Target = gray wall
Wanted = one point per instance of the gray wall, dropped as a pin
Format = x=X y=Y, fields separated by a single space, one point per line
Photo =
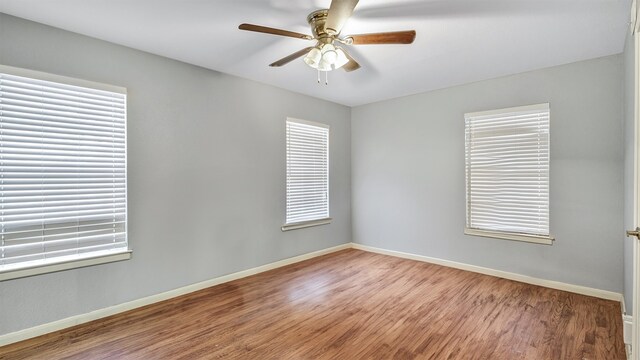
x=408 y=173
x=206 y=174
x=629 y=130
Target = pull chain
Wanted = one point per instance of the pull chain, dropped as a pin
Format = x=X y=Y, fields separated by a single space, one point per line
x=326 y=77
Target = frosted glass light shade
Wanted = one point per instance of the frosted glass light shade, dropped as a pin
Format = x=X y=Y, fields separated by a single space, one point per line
x=324 y=65
x=329 y=54
x=341 y=60
x=313 y=58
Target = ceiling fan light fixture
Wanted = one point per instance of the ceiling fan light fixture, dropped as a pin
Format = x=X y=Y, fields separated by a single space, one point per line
x=326 y=58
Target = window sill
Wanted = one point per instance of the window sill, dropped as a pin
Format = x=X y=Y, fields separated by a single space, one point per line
x=36 y=269
x=305 y=224
x=537 y=239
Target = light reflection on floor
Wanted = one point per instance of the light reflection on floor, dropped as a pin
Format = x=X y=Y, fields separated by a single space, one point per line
x=310 y=289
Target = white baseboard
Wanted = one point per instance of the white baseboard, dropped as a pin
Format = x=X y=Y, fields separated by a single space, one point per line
x=627 y=327
x=627 y=323
x=25 y=334
x=603 y=294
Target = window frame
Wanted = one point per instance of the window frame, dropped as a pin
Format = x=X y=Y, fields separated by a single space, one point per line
x=15 y=271
x=545 y=239
x=313 y=222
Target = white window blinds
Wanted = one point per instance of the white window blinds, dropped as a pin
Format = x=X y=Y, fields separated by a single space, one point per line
x=307 y=171
x=507 y=170
x=62 y=170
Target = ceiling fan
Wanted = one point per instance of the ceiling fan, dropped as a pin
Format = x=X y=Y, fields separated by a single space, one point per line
x=326 y=24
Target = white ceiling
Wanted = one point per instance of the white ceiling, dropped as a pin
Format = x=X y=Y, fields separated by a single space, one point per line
x=457 y=42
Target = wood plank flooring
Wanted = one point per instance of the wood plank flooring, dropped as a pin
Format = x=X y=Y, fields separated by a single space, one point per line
x=351 y=305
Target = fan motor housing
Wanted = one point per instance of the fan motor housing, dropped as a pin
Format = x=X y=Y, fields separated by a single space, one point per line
x=317 y=20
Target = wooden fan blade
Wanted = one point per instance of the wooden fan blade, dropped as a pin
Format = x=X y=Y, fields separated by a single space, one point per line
x=351 y=65
x=287 y=59
x=398 y=37
x=339 y=13
x=273 y=31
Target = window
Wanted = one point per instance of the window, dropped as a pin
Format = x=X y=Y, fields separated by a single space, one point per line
x=307 y=174
x=62 y=173
x=507 y=173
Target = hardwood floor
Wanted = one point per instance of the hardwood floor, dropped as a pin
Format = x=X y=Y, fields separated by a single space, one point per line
x=351 y=305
